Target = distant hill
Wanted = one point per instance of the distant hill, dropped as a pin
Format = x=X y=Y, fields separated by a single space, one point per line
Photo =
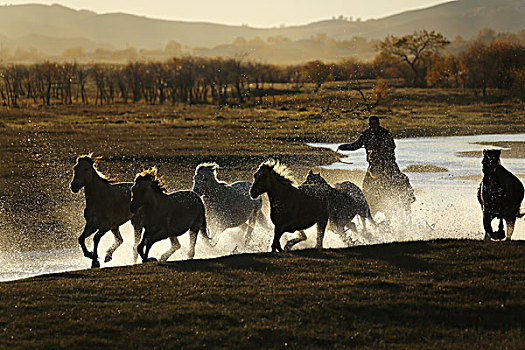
x=50 y=29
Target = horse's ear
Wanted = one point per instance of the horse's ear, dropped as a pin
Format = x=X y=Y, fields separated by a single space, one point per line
x=484 y=152
x=310 y=172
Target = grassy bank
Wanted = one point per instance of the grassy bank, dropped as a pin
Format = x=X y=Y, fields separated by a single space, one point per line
x=442 y=294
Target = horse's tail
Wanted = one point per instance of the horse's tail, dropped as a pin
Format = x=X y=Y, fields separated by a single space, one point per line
x=204 y=228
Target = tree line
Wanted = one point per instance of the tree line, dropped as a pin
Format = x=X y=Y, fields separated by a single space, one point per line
x=417 y=58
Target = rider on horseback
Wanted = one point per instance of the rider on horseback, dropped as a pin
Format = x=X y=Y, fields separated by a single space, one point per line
x=380 y=154
x=379 y=145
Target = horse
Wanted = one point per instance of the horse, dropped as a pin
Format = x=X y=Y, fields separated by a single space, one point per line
x=291 y=208
x=388 y=189
x=107 y=207
x=500 y=194
x=166 y=215
x=346 y=200
x=227 y=205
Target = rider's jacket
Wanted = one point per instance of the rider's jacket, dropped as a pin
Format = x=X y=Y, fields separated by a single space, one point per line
x=380 y=149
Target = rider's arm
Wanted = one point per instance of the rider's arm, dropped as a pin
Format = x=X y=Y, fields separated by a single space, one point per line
x=352 y=146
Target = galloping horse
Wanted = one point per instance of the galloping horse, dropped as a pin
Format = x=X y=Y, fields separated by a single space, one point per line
x=291 y=208
x=345 y=200
x=500 y=194
x=166 y=215
x=226 y=205
x=386 y=190
x=107 y=207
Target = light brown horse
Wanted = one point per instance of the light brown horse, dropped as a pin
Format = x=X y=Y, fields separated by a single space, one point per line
x=291 y=208
x=166 y=215
x=107 y=207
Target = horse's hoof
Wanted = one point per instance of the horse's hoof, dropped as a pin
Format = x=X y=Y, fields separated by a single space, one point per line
x=151 y=259
x=89 y=255
x=108 y=258
x=95 y=264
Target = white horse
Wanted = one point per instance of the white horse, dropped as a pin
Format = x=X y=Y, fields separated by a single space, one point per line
x=227 y=205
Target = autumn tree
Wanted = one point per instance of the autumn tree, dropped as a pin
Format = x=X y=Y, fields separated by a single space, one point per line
x=316 y=72
x=414 y=50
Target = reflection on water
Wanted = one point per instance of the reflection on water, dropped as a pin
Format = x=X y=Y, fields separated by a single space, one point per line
x=446 y=207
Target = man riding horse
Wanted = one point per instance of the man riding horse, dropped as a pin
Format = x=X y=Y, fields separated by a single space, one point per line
x=383 y=172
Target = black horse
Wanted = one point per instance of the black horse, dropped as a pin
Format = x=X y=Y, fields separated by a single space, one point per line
x=291 y=208
x=500 y=194
x=345 y=201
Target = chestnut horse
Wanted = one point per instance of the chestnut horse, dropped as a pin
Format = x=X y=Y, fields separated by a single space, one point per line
x=107 y=207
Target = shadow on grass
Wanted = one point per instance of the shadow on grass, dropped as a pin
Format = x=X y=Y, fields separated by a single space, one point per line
x=252 y=262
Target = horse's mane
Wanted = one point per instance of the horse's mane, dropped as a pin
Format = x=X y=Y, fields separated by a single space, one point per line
x=91 y=159
x=151 y=175
x=281 y=171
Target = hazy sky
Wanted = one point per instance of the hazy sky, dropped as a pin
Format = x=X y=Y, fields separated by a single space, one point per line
x=259 y=13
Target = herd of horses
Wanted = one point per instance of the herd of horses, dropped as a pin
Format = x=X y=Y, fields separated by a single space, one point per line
x=157 y=214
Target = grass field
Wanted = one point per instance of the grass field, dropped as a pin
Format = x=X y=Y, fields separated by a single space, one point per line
x=442 y=294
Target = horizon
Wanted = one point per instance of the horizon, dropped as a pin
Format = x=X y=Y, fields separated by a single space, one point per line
x=261 y=15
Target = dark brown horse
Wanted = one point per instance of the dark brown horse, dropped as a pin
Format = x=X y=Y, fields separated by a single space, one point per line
x=166 y=215
x=291 y=208
x=107 y=207
x=345 y=201
x=500 y=194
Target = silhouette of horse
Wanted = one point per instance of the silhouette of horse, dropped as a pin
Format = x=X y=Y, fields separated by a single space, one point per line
x=500 y=194
x=226 y=205
x=107 y=207
x=387 y=191
x=345 y=201
x=291 y=208
x=166 y=215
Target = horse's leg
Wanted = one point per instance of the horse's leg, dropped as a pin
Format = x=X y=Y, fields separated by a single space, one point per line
x=89 y=229
x=118 y=242
x=302 y=237
x=193 y=241
x=487 y=220
x=136 y=221
x=261 y=219
x=147 y=246
x=321 y=229
x=510 y=228
x=276 y=244
x=250 y=225
x=96 y=240
x=175 y=245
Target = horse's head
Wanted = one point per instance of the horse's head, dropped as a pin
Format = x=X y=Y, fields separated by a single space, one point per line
x=268 y=173
x=83 y=172
x=315 y=179
x=491 y=160
x=146 y=183
x=261 y=181
x=204 y=178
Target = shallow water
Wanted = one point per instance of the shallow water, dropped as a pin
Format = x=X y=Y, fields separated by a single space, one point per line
x=446 y=207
